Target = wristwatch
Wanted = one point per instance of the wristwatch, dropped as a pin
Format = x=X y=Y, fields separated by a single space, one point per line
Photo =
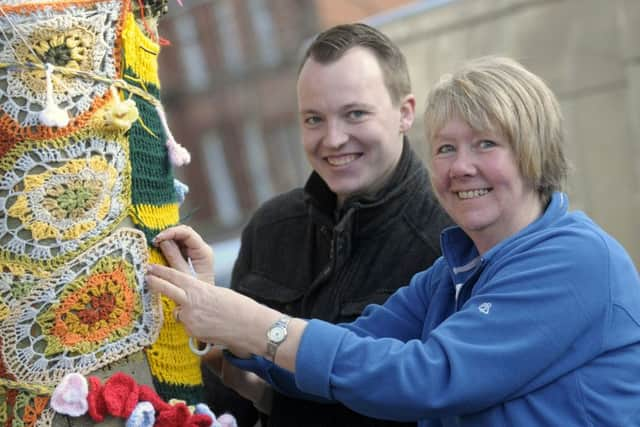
x=276 y=334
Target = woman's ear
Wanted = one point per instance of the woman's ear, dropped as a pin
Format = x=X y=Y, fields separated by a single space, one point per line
x=407 y=112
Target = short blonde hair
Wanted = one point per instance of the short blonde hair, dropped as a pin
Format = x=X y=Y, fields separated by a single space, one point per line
x=498 y=94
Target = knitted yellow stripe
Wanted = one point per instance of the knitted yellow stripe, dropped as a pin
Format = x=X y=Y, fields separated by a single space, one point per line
x=140 y=52
x=156 y=217
x=155 y=257
x=19 y=385
x=22 y=269
x=4 y=310
x=170 y=359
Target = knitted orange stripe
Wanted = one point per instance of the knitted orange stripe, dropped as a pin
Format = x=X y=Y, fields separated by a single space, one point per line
x=32 y=413
x=10 y=130
x=26 y=9
x=98 y=285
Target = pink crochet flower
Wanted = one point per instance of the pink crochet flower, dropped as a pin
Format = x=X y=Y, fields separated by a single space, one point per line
x=70 y=396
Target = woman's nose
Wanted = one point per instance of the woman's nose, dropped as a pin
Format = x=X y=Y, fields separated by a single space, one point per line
x=463 y=164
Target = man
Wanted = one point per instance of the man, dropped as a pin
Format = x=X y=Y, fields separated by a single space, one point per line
x=365 y=216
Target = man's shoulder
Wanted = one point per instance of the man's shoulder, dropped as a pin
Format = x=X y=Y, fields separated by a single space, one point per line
x=424 y=209
x=284 y=206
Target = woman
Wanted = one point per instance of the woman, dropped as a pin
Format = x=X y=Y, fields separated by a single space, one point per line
x=530 y=318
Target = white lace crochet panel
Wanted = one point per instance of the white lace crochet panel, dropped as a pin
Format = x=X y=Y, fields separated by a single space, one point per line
x=76 y=38
x=90 y=313
x=54 y=202
x=14 y=287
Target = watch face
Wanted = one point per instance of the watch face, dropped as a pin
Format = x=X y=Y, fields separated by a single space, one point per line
x=277 y=334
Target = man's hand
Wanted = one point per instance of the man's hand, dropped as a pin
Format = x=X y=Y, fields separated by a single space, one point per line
x=246 y=384
x=213 y=359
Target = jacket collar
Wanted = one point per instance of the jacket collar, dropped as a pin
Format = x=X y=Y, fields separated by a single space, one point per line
x=462 y=256
x=363 y=213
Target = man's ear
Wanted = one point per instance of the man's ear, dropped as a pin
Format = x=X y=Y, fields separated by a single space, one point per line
x=407 y=112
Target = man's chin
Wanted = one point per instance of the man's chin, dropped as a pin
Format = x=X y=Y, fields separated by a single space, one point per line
x=344 y=191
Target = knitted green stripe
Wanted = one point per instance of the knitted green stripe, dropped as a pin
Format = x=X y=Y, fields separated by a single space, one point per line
x=151 y=173
x=190 y=394
x=149 y=233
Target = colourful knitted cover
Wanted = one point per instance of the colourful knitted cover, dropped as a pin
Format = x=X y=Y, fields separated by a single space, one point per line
x=75 y=162
x=175 y=369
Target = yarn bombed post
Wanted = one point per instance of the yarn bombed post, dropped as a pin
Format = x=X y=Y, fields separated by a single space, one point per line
x=86 y=182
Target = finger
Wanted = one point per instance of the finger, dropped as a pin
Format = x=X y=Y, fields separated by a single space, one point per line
x=183 y=234
x=173 y=255
x=176 y=313
x=177 y=278
x=158 y=284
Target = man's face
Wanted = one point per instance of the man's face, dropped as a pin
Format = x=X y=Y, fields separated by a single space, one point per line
x=351 y=131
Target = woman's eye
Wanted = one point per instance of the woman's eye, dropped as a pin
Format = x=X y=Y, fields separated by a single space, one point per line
x=444 y=149
x=486 y=143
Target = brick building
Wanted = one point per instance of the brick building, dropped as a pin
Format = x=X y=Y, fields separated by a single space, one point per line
x=228 y=85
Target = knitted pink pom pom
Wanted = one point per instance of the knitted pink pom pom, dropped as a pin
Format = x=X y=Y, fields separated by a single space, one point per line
x=227 y=420
x=178 y=155
x=70 y=396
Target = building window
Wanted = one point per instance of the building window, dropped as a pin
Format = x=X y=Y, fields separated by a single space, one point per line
x=265 y=35
x=220 y=180
x=227 y=24
x=292 y=167
x=193 y=61
x=258 y=161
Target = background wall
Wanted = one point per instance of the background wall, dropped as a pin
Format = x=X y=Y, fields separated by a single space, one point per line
x=588 y=51
x=229 y=89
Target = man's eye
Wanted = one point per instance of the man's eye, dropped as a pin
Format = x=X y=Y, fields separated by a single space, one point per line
x=312 y=120
x=356 y=114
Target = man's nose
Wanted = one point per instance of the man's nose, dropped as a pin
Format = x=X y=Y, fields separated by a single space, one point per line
x=336 y=134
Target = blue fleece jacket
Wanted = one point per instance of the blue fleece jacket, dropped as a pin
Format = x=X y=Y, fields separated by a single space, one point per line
x=542 y=330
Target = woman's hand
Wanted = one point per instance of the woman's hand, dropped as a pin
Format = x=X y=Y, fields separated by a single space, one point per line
x=209 y=313
x=180 y=244
x=218 y=315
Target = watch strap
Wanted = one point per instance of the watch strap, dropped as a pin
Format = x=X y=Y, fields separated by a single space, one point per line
x=272 y=346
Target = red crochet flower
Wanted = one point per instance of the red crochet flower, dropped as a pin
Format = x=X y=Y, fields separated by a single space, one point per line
x=120 y=394
x=97 y=407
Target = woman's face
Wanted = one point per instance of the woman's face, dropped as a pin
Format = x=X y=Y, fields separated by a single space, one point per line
x=477 y=180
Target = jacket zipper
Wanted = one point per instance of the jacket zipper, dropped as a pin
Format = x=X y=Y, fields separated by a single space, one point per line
x=464 y=293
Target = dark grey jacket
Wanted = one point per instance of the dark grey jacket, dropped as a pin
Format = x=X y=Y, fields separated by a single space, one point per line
x=302 y=256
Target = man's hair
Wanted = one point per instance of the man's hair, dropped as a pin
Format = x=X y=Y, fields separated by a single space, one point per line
x=499 y=95
x=330 y=45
